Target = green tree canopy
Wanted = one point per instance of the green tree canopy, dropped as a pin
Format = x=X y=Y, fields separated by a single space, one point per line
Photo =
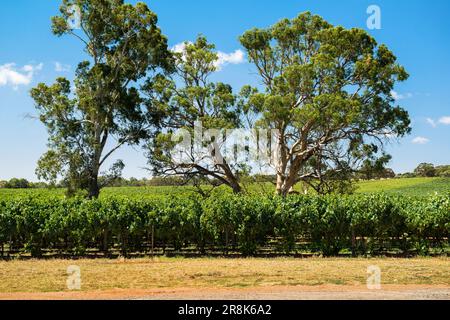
x=425 y=170
x=443 y=171
x=376 y=168
x=102 y=110
x=327 y=93
x=17 y=183
x=181 y=100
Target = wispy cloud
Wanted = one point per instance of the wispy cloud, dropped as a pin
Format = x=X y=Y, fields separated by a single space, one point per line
x=444 y=121
x=59 y=67
x=420 y=140
x=236 y=57
x=398 y=96
x=11 y=75
x=431 y=122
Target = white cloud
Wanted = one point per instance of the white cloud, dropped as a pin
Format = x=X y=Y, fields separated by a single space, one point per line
x=10 y=75
x=420 y=140
x=397 y=96
x=179 y=48
x=236 y=57
x=27 y=68
x=431 y=122
x=445 y=120
x=33 y=68
x=59 y=67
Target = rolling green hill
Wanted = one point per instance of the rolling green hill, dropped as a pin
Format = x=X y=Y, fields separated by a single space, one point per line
x=410 y=186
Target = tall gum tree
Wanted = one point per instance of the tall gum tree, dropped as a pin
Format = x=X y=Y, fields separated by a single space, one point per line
x=186 y=98
x=103 y=108
x=327 y=93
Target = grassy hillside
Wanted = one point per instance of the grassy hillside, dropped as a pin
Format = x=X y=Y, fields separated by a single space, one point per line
x=411 y=187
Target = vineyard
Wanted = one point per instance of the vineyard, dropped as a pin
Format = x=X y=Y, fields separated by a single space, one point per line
x=277 y=155
x=373 y=224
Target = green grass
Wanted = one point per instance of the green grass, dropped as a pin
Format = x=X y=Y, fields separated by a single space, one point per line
x=124 y=191
x=409 y=187
x=41 y=276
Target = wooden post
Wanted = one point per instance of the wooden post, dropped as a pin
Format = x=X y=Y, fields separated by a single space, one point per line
x=353 y=244
x=226 y=242
x=105 y=241
x=153 y=239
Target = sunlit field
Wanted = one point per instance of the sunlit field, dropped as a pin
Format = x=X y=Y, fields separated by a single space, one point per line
x=410 y=186
x=405 y=186
x=176 y=276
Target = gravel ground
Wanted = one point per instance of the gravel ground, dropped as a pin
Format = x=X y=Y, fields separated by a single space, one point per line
x=269 y=293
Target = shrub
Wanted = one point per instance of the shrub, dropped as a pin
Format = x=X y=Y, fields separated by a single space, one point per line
x=326 y=224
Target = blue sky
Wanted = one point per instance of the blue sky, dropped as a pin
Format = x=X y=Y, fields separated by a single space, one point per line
x=417 y=31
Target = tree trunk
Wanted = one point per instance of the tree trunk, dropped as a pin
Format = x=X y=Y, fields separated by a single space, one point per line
x=236 y=187
x=280 y=183
x=285 y=185
x=281 y=166
x=289 y=183
x=231 y=178
x=94 y=189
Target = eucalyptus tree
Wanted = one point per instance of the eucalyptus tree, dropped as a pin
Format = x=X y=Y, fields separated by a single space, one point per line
x=327 y=94
x=102 y=110
x=192 y=114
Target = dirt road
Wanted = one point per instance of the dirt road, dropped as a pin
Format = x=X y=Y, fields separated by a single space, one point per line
x=260 y=293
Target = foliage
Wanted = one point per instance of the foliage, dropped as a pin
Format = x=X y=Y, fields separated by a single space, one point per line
x=327 y=93
x=443 y=171
x=124 y=45
x=364 y=224
x=16 y=183
x=183 y=101
x=376 y=168
x=425 y=170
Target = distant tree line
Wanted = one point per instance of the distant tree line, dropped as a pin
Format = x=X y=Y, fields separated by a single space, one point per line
x=20 y=183
x=16 y=183
x=369 y=171
x=428 y=170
